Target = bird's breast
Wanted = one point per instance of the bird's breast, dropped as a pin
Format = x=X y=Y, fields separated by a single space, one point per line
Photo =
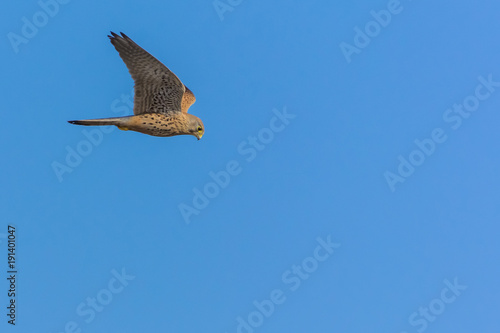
x=157 y=124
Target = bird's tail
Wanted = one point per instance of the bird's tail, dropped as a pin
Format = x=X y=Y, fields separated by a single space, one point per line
x=117 y=121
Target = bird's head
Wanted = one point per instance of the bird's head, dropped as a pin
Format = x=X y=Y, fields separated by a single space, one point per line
x=195 y=126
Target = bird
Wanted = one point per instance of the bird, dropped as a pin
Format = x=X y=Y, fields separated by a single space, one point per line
x=161 y=100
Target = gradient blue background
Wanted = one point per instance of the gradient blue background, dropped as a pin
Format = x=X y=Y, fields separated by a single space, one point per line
x=323 y=175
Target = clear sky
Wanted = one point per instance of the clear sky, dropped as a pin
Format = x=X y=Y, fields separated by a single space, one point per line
x=347 y=180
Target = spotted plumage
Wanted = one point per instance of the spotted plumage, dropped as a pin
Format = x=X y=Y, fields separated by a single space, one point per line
x=161 y=100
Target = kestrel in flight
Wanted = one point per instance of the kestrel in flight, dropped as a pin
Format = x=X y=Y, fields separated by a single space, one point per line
x=161 y=100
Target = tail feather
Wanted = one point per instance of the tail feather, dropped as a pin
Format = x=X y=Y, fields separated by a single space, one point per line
x=99 y=122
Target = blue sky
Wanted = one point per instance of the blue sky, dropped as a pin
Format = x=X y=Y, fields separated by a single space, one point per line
x=354 y=146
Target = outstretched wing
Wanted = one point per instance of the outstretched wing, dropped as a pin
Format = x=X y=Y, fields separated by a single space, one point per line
x=157 y=89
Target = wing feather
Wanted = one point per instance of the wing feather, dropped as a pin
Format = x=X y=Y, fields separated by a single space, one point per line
x=157 y=89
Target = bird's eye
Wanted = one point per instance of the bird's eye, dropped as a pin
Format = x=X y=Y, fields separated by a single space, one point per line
x=200 y=129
